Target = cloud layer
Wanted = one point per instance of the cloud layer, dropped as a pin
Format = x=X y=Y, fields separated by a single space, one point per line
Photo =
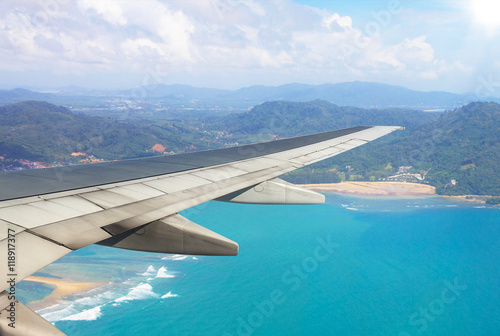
x=226 y=42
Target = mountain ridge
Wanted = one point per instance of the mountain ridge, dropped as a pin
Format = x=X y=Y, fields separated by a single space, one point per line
x=357 y=94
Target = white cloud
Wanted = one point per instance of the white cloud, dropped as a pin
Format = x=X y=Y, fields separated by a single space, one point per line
x=335 y=21
x=219 y=38
x=109 y=10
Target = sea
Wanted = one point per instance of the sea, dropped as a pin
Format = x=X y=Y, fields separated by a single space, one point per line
x=352 y=266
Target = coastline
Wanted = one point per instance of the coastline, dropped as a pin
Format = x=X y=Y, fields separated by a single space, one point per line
x=388 y=189
x=63 y=288
x=360 y=188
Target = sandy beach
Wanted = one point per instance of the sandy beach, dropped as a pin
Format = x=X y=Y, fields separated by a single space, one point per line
x=374 y=188
x=63 y=289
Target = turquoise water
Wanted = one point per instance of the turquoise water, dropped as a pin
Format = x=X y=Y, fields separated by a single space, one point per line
x=353 y=266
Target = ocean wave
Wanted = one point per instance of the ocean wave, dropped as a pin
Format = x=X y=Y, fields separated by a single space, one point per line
x=100 y=298
x=162 y=273
x=150 y=271
x=175 y=257
x=70 y=310
x=86 y=315
x=169 y=295
x=58 y=312
x=140 y=292
x=355 y=209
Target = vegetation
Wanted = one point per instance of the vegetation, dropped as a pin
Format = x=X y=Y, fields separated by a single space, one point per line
x=287 y=119
x=459 y=150
x=37 y=130
x=493 y=200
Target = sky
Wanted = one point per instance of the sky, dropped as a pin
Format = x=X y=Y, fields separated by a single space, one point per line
x=117 y=44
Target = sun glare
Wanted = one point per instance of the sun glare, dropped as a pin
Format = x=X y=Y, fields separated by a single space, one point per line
x=486 y=12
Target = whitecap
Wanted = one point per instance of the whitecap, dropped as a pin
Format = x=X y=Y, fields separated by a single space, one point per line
x=162 y=273
x=175 y=257
x=150 y=271
x=140 y=292
x=57 y=312
x=355 y=209
x=86 y=315
x=181 y=257
x=100 y=298
x=169 y=295
x=194 y=258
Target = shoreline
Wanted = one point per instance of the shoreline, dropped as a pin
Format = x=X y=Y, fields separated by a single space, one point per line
x=63 y=289
x=388 y=189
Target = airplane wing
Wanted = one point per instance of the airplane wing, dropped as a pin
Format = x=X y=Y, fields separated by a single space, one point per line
x=134 y=204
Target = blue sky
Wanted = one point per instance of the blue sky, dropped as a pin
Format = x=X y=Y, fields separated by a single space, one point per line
x=424 y=45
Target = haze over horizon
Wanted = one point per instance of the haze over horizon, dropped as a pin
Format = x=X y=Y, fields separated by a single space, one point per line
x=229 y=44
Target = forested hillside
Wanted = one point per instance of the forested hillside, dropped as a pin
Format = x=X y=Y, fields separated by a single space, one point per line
x=460 y=151
x=286 y=119
x=36 y=130
x=457 y=151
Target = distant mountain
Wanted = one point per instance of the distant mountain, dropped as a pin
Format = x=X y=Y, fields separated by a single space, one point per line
x=17 y=95
x=359 y=94
x=42 y=131
x=178 y=92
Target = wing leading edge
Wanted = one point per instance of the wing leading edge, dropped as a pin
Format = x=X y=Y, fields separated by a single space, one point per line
x=133 y=204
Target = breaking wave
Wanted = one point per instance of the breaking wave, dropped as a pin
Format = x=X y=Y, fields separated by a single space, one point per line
x=86 y=315
x=140 y=292
x=169 y=295
x=162 y=273
x=150 y=271
x=175 y=257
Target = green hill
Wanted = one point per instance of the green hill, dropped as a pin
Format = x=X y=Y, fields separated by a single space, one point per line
x=456 y=151
x=286 y=119
x=36 y=130
x=461 y=145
